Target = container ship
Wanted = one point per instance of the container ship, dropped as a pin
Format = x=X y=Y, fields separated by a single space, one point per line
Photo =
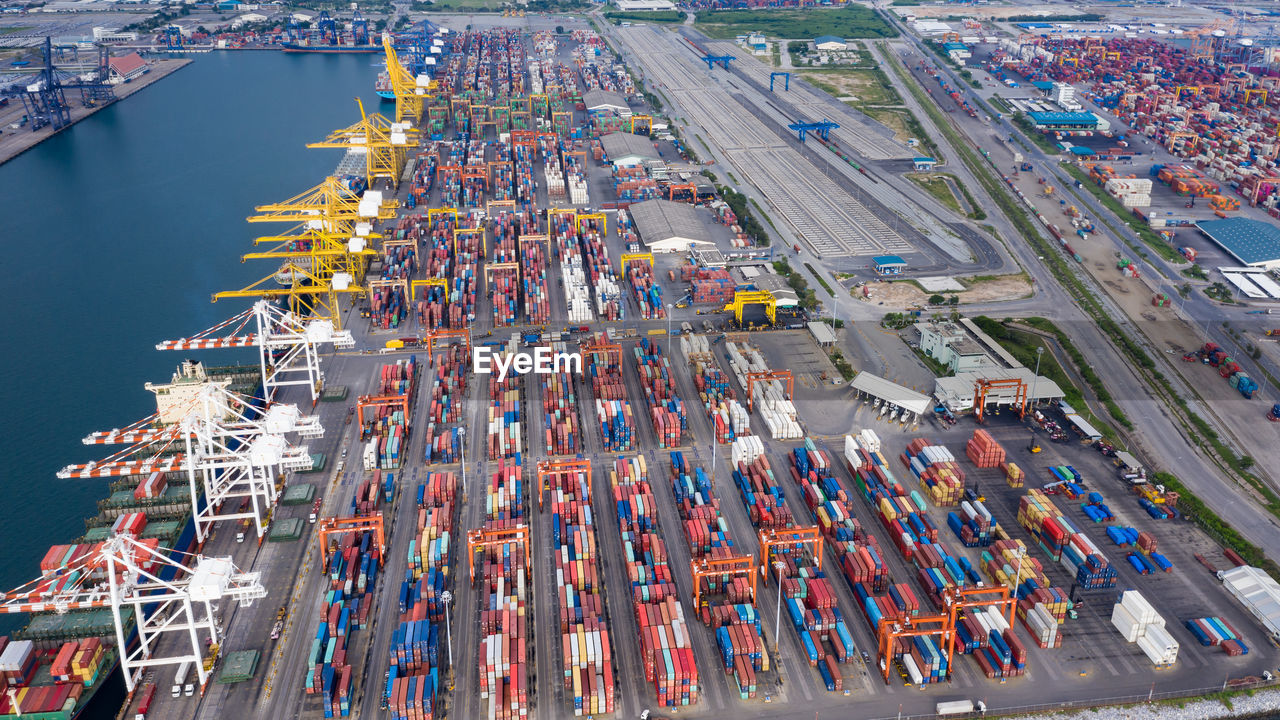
x=307 y=47
x=58 y=665
x=383 y=86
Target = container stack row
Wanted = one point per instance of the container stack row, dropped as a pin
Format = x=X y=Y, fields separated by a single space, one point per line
x=505 y=438
x=502 y=275
x=645 y=289
x=973 y=525
x=613 y=410
x=827 y=501
x=352 y=568
x=505 y=590
x=727 y=606
x=766 y=504
x=809 y=601
x=935 y=466
x=728 y=417
x=414 y=669
x=533 y=281
x=386 y=426
x=600 y=270
x=1041 y=606
x=986 y=635
x=584 y=632
x=560 y=412
x=770 y=399
x=666 y=409
x=573 y=271
x=443 y=438
x=468 y=252
x=665 y=645
x=1216 y=632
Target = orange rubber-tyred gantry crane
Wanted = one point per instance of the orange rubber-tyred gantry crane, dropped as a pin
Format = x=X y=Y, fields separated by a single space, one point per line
x=983 y=386
x=430 y=339
x=485 y=538
x=959 y=598
x=726 y=567
x=377 y=401
x=753 y=378
x=790 y=537
x=918 y=626
x=605 y=349
x=343 y=525
x=547 y=468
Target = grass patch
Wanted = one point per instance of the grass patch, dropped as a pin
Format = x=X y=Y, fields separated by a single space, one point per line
x=657 y=16
x=1195 y=272
x=937 y=187
x=935 y=367
x=1001 y=103
x=871 y=87
x=821 y=280
x=848 y=22
x=1037 y=137
x=1220 y=292
x=842 y=365
x=1148 y=236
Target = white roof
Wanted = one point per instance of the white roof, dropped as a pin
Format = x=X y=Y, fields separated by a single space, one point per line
x=822 y=332
x=903 y=397
x=1256 y=591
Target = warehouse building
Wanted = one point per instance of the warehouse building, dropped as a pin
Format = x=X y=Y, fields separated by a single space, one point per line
x=830 y=43
x=1253 y=242
x=627 y=150
x=125 y=68
x=666 y=226
x=598 y=100
x=766 y=281
x=643 y=5
x=1068 y=121
x=1260 y=595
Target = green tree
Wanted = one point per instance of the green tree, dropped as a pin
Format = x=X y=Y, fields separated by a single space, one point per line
x=936 y=299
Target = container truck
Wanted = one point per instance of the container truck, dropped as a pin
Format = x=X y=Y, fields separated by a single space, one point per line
x=954 y=707
x=180 y=679
x=144 y=706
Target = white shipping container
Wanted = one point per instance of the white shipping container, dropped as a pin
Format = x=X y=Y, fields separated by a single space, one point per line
x=1125 y=623
x=1138 y=607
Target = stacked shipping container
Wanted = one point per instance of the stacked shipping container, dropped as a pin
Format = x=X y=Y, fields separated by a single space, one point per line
x=584 y=633
x=504 y=620
x=666 y=409
x=728 y=418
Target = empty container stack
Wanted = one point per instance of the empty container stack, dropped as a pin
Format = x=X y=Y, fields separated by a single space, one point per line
x=665 y=645
x=770 y=400
x=727 y=415
x=760 y=492
x=666 y=409
x=585 y=642
x=939 y=474
x=1138 y=622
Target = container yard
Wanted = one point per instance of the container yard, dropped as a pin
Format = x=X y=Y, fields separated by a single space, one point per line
x=885 y=572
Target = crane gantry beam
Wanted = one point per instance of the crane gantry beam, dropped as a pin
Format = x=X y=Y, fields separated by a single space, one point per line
x=179 y=607
x=548 y=468
x=385 y=144
x=485 y=538
x=770 y=376
x=743 y=566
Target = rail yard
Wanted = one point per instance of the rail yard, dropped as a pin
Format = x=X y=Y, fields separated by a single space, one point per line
x=640 y=523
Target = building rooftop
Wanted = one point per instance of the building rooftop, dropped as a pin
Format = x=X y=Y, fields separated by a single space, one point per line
x=618 y=145
x=1250 y=241
x=1063 y=118
x=903 y=397
x=596 y=98
x=967 y=347
x=126 y=64
x=888 y=261
x=821 y=39
x=822 y=332
x=658 y=220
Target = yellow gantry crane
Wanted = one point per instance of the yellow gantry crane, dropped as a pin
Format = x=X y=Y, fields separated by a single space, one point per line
x=410 y=97
x=385 y=144
x=328 y=252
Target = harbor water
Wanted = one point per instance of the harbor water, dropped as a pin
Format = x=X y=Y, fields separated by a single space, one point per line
x=117 y=232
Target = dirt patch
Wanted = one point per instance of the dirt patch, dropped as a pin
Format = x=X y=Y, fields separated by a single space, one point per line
x=901 y=295
x=862 y=84
x=1116 y=286
x=894 y=119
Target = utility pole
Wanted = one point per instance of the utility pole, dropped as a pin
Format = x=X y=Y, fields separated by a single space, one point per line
x=1036 y=378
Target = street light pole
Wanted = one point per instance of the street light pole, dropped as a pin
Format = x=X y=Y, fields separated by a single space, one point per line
x=778 y=565
x=462 y=432
x=447 y=597
x=1036 y=379
x=670 y=307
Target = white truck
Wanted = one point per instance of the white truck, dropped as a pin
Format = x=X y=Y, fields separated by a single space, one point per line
x=959 y=707
x=180 y=680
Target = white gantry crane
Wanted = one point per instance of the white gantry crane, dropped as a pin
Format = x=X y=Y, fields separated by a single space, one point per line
x=204 y=429
x=287 y=345
x=127 y=575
